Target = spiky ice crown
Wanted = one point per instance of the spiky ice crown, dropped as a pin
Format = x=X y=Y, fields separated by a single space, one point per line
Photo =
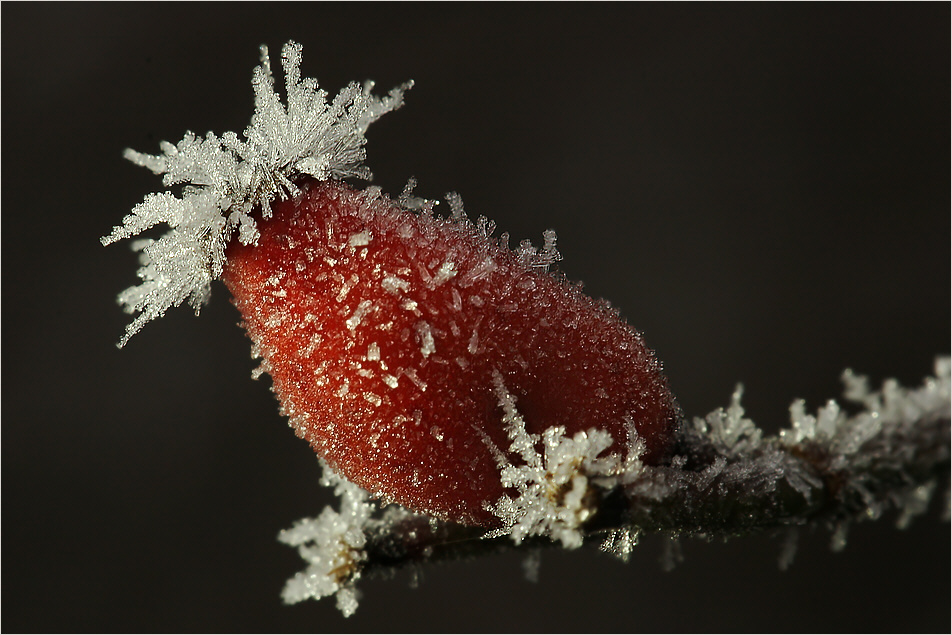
x=226 y=178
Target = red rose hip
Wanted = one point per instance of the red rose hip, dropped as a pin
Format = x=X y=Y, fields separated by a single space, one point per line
x=383 y=330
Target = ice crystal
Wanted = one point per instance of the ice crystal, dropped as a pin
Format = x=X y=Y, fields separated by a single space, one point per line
x=788 y=548
x=531 y=565
x=742 y=456
x=729 y=431
x=832 y=468
x=227 y=180
x=880 y=438
x=672 y=554
x=556 y=488
x=620 y=542
x=333 y=546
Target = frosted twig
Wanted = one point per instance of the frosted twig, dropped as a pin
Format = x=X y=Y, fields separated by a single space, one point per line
x=725 y=479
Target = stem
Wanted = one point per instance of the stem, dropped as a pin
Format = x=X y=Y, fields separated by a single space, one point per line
x=723 y=479
x=711 y=494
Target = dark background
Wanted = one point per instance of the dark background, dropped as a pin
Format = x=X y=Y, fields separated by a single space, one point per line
x=762 y=189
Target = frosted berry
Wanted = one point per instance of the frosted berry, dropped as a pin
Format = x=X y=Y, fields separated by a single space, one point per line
x=383 y=329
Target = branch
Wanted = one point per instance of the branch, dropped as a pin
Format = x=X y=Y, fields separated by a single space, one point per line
x=725 y=479
x=711 y=501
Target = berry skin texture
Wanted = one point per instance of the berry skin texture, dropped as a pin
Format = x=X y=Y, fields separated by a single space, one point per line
x=383 y=329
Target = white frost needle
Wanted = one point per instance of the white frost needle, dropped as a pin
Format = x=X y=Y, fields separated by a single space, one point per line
x=554 y=487
x=226 y=179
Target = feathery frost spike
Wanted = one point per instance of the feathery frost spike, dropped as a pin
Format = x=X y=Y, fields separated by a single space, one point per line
x=226 y=179
x=554 y=487
x=333 y=546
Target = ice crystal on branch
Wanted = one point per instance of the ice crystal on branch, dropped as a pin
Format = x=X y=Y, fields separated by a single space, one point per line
x=728 y=430
x=556 y=489
x=227 y=179
x=727 y=478
x=829 y=469
x=332 y=545
x=882 y=438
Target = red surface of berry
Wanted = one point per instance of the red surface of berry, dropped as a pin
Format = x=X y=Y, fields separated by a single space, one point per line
x=382 y=330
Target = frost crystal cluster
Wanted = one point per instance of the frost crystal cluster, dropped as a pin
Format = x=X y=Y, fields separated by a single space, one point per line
x=558 y=490
x=226 y=180
x=333 y=544
x=880 y=439
x=842 y=465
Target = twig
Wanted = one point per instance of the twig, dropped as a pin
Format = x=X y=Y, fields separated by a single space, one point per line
x=700 y=503
x=724 y=479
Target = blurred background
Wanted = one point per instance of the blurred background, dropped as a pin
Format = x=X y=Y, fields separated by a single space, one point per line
x=763 y=190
